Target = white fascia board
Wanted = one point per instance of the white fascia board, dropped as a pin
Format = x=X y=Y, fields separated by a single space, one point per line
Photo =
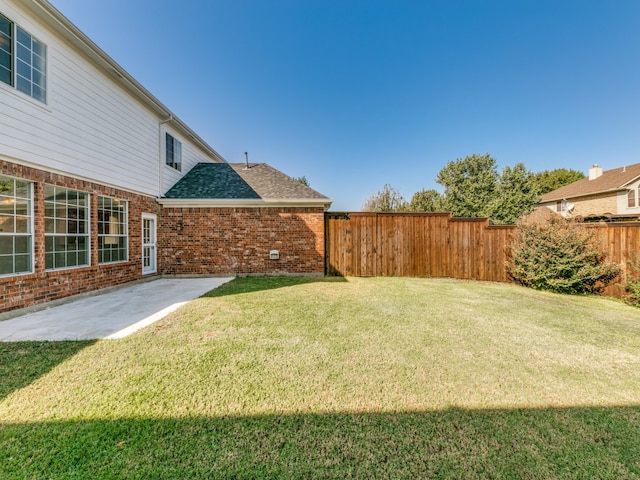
x=630 y=182
x=241 y=203
x=64 y=27
x=299 y=202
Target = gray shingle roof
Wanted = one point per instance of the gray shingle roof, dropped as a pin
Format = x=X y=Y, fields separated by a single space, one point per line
x=609 y=181
x=273 y=184
x=225 y=181
x=212 y=180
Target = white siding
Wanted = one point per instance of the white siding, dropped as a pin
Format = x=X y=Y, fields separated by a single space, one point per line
x=91 y=127
x=623 y=200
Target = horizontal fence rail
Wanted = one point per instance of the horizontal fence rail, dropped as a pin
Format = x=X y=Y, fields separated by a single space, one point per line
x=437 y=245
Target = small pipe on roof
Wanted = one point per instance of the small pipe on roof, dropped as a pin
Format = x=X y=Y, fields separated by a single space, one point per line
x=246 y=161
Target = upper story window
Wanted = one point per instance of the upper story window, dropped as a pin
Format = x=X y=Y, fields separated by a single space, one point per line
x=173 y=152
x=15 y=226
x=633 y=197
x=23 y=60
x=6 y=51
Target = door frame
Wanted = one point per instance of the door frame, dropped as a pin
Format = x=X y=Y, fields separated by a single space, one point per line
x=153 y=245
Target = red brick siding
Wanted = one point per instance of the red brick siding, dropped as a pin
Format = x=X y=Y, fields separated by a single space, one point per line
x=42 y=286
x=191 y=241
x=227 y=241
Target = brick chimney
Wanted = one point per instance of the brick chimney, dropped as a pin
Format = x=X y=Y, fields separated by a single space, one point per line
x=595 y=172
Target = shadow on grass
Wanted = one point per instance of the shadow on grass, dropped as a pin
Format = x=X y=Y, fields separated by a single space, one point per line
x=523 y=443
x=261 y=283
x=23 y=362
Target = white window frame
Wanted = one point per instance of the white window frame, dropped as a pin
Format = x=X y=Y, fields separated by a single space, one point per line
x=118 y=229
x=55 y=223
x=172 y=152
x=631 y=198
x=13 y=234
x=561 y=205
x=26 y=63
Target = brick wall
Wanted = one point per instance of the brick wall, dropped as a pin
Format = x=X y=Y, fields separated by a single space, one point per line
x=591 y=205
x=596 y=205
x=42 y=286
x=191 y=241
x=225 y=241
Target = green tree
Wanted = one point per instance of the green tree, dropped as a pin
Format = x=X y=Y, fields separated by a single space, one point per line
x=550 y=180
x=426 y=201
x=515 y=195
x=388 y=199
x=303 y=180
x=470 y=184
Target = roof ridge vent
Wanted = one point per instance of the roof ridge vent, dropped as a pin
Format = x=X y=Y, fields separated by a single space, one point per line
x=595 y=172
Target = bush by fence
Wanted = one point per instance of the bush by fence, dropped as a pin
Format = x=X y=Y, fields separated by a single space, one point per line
x=559 y=256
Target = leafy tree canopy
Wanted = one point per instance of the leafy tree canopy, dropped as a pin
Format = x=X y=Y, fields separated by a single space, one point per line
x=469 y=185
x=388 y=199
x=515 y=195
x=426 y=201
x=303 y=180
x=550 y=180
x=473 y=187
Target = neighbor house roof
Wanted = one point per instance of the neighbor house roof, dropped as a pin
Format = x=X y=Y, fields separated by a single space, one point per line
x=610 y=181
x=235 y=184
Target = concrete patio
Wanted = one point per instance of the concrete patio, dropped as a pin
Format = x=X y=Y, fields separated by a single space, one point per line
x=113 y=314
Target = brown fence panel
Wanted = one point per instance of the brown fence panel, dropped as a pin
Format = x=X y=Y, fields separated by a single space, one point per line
x=621 y=241
x=436 y=245
x=337 y=236
x=414 y=245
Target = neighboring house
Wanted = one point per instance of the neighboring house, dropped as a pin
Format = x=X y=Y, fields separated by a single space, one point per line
x=602 y=194
x=101 y=184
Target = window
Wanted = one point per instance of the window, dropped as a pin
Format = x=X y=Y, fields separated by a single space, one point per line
x=173 y=152
x=66 y=228
x=6 y=51
x=561 y=205
x=23 y=60
x=112 y=230
x=15 y=226
x=633 y=197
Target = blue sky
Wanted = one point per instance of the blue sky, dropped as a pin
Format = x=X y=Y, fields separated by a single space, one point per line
x=357 y=94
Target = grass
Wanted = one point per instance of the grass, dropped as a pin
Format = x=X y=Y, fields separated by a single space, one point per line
x=327 y=378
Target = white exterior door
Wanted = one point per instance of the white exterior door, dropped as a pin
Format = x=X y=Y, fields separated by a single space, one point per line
x=149 y=248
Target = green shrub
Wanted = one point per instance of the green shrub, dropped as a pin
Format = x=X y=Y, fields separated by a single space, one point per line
x=560 y=256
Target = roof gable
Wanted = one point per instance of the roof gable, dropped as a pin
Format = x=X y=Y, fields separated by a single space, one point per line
x=229 y=182
x=610 y=181
x=212 y=180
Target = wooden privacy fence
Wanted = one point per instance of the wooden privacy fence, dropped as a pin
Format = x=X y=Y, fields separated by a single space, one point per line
x=437 y=245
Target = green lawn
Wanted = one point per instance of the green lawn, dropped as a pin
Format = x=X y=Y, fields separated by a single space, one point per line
x=333 y=378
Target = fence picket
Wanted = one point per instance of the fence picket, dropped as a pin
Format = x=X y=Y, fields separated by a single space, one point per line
x=437 y=245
